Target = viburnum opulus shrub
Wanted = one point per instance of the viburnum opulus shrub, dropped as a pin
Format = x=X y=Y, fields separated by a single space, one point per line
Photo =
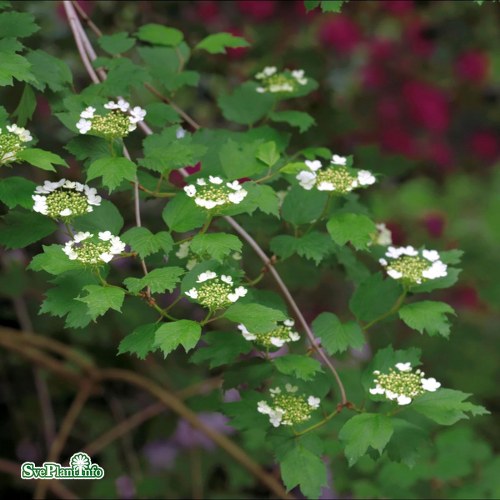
x=180 y=258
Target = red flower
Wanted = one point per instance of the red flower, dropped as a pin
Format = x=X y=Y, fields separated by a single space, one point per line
x=259 y=10
x=239 y=52
x=472 y=66
x=207 y=10
x=398 y=141
x=420 y=38
x=340 y=33
x=435 y=224
x=373 y=76
x=485 y=145
x=398 y=7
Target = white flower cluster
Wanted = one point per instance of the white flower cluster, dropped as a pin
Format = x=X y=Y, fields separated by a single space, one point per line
x=274 y=82
x=65 y=199
x=278 y=337
x=215 y=292
x=214 y=192
x=403 y=384
x=11 y=142
x=287 y=407
x=383 y=236
x=185 y=253
x=121 y=120
x=413 y=266
x=89 y=249
x=334 y=177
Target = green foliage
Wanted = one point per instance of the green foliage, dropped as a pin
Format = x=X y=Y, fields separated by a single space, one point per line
x=100 y=299
x=314 y=246
x=240 y=159
x=158 y=280
x=356 y=228
x=303 y=121
x=140 y=342
x=183 y=332
x=157 y=34
x=301 y=206
x=17 y=24
x=117 y=43
x=335 y=336
x=219 y=42
x=41 y=159
x=113 y=171
x=105 y=217
x=145 y=243
x=17 y=191
x=256 y=317
x=19 y=228
x=215 y=245
x=428 y=316
x=298 y=365
x=364 y=431
x=181 y=214
x=222 y=348
x=49 y=71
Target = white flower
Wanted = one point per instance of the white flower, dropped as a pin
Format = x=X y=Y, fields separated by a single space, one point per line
x=180 y=133
x=366 y=178
x=391 y=395
x=339 y=160
x=246 y=334
x=383 y=262
x=431 y=255
x=430 y=384
x=269 y=70
x=377 y=390
x=190 y=190
x=384 y=235
x=260 y=90
x=83 y=125
x=313 y=164
x=275 y=417
x=394 y=274
x=294 y=336
x=235 y=185
x=404 y=367
x=275 y=391
x=289 y=322
x=88 y=112
x=137 y=114
x=403 y=400
x=306 y=179
x=66 y=212
x=106 y=257
x=437 y=270
x=291 y=388
x=237 y=197
x=23 y=134
x=81 y=236
x=207 y=275
x=277 y=342
x=226 y=279
x=215 y=180
x=201 y=182
x=325 y=186
x=263 y=407
x=193 y=293
x=313 y=402
x=105 y=235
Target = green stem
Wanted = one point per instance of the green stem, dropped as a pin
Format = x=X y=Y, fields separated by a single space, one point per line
x=256 y=280
x=319 y=424
x=390 y=312
x=207 y=318
x=203 y=230
x=69 y=230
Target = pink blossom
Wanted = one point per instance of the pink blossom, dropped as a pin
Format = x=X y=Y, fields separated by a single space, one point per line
x=398 y=7
x=259 y=10
x=472 y=66
x=396 y=140
x=340 y=33
x=485 y=145
x=420 y=38
x=435 y=223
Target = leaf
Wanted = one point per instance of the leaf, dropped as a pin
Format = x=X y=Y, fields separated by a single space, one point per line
x=332 y=5
x=145 y=243
x=313 y=246
x=105 y=217
x=26 y=106
x=259 y=197
x=446 y=406
x=356 y=228
x=84 y=147
x=268 y=153
x=17 y=24
x=251 y=373
x=407 y=442
x=20 y=228
x=239 y=159
x=15 y=67
x=183 y=332
x=115 y=44
x=311 y=4
x=218 y=42
x=140 y=342
x=123 y=76
x=41 y=159
x=181 y=214
x=257 y=318
x=364 y=431
x=374 y=297
x=301 y=206
x=429 y=286
x=159 y=114
x=215 y=245
x=113 y=171
x=245 y=105
x=429 y=316
x=298 y=365
x=335 y=336
x=222 y=348
x=300 y=467
x=159 y=280
x=53 y=261
x=160 y=35
x=100 y=299
x=49 y=71
x=16 y=191
x=303 y=121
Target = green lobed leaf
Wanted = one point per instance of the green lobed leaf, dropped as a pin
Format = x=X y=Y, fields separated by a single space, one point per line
x=26 y=106
x=374 y=297
x=407 y=442
x=159 y=114
x=446 y=406
x=41 y=159
x=301 y=467
x=16 y=191
x=222 y=348
x=301 y=206
x=257 y=318
x=363 y=431
x=303 y=121
x=140 y=342
x=313 y=246
x=429 y=286
x=123 y=76
x=53 y=261
x=268 y=153
x=159 y=280
x=113 y=170
x=336 y=336
x=218 y=42
x=183 y=332
x=117 y=43
x=311 y=4
x=239 y=159
x=215 y=245
x=105 y=217
x=356 y=228
x=145 y=243
x=17 y=24
x=160 y=35
x=298 y=365
x=181 y=214
x=19 y=228
x=259 y=197
x=49 y=71
x=428 y=316
x=100 y=299
x=14 y=67
x=251 y=373
x=332 y=5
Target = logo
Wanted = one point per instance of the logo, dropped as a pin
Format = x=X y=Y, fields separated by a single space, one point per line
x=80 y=467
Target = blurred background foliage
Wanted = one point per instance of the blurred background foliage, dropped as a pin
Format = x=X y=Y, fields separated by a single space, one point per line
x=412 y=90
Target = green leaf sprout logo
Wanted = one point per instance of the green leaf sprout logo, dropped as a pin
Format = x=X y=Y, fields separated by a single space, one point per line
x=79 y=462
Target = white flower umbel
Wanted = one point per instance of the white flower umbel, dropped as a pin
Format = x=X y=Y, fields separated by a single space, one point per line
x=12 y=141
x=287 y=407
x=214 y=193
x=65 y=200
x=335 y=177
x=270 y=80
x=88 y=248
x=412 y=266
x=273 y=339
x=402 y=384
x=117 y=120
x=215 y=292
